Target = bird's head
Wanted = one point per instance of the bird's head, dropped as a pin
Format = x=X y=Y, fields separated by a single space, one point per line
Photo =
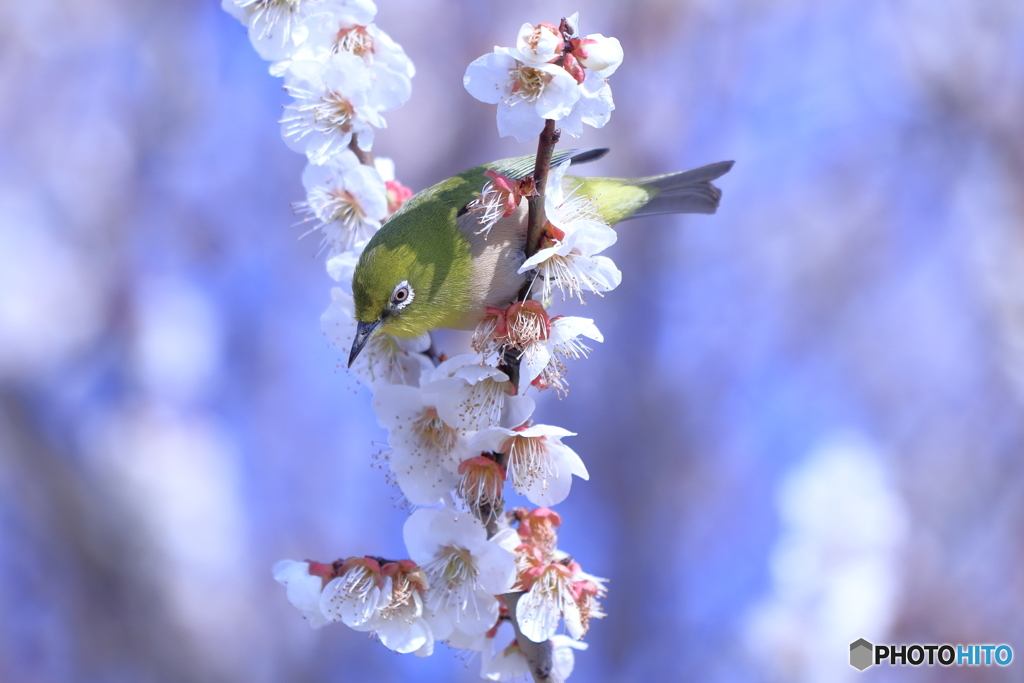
x=392 y=291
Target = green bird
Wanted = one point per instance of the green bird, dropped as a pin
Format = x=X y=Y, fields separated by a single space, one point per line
x=430 y=266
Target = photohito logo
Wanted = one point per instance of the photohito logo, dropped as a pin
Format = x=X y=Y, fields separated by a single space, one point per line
x=863 y=654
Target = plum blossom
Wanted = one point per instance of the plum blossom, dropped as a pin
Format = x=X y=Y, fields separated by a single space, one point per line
x=571 y=264
x=565 y=82
x=526 y=95
x=539 y=465
x=356 y=592
x=400 y=623
x=601 y=55
x=499 y=198
x=385 y=359
x=539 y=44
x=575 y=234
x=537 y=529
x=557 y=590
x=593 y=107
x=426 y=450
x=508 y=663
x=364 y=593
x=388 y=67
x=542 y=342
x=346 y=199
x=517 y=327
x=303 y=590
x=595 y=52
x=332 y=104
x=465 y=569
x=276 y=26
x=398 y=194
x=481 y=486
x=543 y=362
x=474 y=395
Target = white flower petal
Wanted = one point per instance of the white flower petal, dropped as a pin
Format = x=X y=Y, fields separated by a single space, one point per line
x=573 y=620
x=422 y=482
x=497 y=568
x=534 y=361
x=462 y=641
x=481 y=616
x=537 y=620
x=451 y=529
x=517 y=410
x=521 y=121
x=442 y=624
x=538 y=45
x=603 y=56
x=543 y=255
x=562 y=658
x=589 y=237
x=303 y=589
x=549 y=489
x=338 y=604
x=569 y=327
x=559 y=94
x=545 y=430
x=397 y=406
x=416 y=533
x=403 y=637
x=491 y=439
x=487 y=77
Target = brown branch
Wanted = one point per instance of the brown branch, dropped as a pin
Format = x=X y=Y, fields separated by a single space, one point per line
x=535 y=224
x=365 y=158
x=537 y=220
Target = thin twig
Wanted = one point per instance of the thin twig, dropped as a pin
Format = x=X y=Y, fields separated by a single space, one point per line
x=535 y=224
x=537 y=220
x=365 y=158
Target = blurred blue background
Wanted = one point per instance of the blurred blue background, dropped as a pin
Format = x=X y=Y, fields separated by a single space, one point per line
x=805 y=425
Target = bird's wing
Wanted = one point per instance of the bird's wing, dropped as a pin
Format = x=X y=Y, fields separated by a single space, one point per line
x=520 y=167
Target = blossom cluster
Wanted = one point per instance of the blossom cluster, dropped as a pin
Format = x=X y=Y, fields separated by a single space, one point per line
x=459 y=428
x=551 y=73
x=449 y=590
x=342 y=72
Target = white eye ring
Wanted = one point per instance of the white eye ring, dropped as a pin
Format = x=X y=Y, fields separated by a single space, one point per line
x=407 y=295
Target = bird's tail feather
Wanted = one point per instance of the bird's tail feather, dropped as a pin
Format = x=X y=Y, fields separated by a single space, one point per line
x=683 y=192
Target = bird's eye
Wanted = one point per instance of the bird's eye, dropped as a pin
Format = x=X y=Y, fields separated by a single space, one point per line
x=402 y=295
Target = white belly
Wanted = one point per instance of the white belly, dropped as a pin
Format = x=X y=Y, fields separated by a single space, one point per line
x=496 y=258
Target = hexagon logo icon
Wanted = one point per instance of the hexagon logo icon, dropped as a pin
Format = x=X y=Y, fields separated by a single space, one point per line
x=861 y=654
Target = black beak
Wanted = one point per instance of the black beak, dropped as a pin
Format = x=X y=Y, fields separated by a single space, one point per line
x=363 y=333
